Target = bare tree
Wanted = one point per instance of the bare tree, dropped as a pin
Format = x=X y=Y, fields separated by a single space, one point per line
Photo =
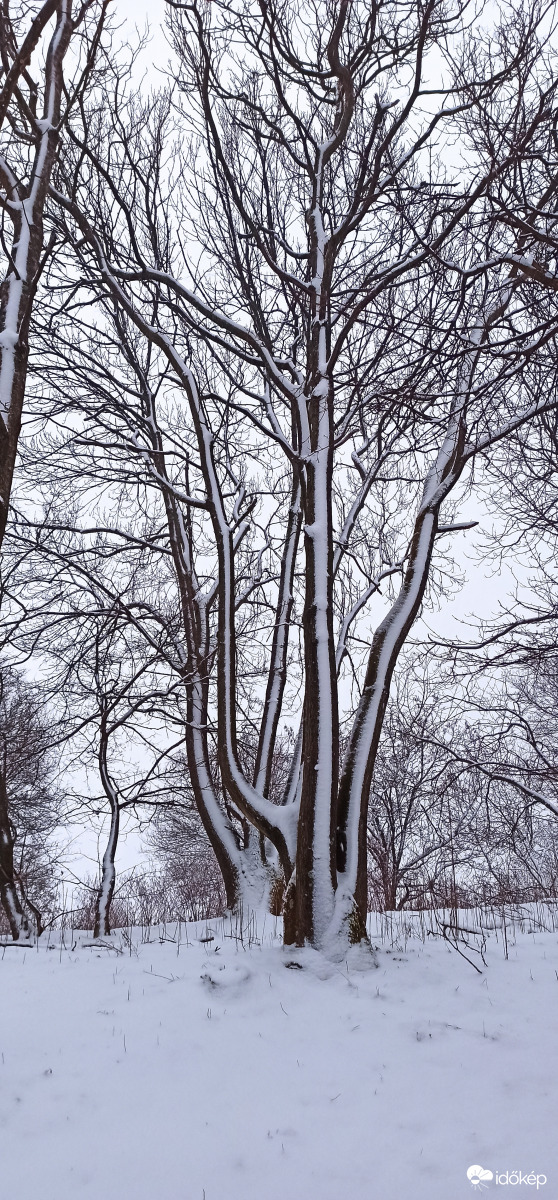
x=122 y=721
x=30 y=801
x=317 y=328
x=33 y=109
x=423 y=827
x=463 y=800
x=188 y=870
x=507 y=673
x=126 y=712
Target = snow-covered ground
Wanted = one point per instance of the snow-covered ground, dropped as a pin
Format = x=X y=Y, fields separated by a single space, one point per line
x=182 y=1069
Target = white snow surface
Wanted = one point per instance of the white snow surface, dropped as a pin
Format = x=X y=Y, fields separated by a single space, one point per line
x=189 y=1069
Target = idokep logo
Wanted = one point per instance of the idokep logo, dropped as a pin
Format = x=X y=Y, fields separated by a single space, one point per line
x=480 y=1177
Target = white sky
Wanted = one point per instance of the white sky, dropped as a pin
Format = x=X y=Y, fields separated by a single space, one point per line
x=136 y=15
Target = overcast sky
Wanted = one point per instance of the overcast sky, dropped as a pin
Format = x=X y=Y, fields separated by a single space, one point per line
x=137 y=14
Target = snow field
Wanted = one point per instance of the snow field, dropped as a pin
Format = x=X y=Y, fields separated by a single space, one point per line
x=209 y=1070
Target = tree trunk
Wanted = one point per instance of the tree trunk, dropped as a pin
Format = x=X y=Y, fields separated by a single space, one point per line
x=108 y=878
x=354 y=788
x=18 y=922
x=18 y=288
x=311 y=906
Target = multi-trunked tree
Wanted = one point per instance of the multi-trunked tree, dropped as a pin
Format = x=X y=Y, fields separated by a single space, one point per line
x=314 y=313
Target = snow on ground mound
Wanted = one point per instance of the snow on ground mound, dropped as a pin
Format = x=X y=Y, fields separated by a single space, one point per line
x=198 y=1066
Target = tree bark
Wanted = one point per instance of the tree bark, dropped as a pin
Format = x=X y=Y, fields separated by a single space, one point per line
x=108 y=878
x=18 y=288
x=315 y=859
x=17 y=920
